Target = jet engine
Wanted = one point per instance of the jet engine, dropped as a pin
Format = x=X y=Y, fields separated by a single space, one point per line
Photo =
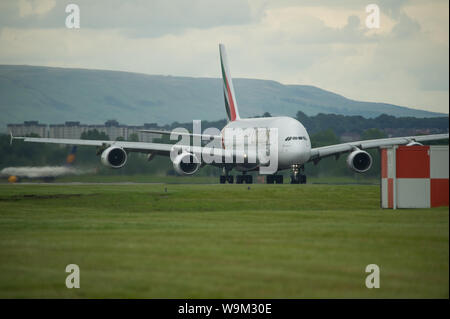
x=414 y=143
x=186 y=163
x=114 y=157
x=359 y=161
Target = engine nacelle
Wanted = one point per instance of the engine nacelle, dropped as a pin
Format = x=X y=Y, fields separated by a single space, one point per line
x=359 y=161
x=414 y=143
x=114 y=157
x=186 y=163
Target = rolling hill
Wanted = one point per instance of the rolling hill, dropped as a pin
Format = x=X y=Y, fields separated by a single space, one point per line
x=55 y=95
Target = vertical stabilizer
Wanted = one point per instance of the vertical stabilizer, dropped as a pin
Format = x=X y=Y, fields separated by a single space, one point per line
x=71 y=157
x=228 y=90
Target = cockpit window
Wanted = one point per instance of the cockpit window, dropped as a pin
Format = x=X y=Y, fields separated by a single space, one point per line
x=295 y=138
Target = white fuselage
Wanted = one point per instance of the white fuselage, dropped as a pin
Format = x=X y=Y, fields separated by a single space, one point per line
x=294 y=145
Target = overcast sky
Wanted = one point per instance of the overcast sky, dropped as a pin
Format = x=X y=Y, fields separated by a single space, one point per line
x=321 y=43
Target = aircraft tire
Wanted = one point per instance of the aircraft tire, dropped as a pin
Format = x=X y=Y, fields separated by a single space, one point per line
x=302 y=179
x=279 y=179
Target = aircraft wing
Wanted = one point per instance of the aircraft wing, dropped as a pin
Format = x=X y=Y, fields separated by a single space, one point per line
x=143 y=147
x=319 y=152
x=129 y=146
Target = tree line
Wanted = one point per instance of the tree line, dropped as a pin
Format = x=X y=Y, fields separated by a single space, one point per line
x=324 y=129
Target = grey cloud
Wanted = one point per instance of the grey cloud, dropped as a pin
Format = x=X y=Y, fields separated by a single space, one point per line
x=142 y=18
x=391 y=8
x=352 y=32
x=388 y=7
x=405 y=27
x=353 y=23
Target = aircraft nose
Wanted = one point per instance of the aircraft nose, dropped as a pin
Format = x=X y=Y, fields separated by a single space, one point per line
x=301 y=152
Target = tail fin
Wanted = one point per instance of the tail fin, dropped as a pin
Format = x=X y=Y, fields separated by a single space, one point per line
x=228 y=90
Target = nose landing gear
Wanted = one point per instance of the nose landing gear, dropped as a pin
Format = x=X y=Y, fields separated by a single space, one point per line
x=226 y=179
x=296 y=176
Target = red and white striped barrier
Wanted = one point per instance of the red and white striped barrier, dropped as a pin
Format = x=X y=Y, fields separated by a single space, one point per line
x=414 y=176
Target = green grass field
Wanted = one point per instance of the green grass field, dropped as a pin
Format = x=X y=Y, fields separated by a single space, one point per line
x=96 y=178
x=217 y=241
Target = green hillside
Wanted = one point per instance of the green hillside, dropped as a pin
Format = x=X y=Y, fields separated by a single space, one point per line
x=56 y=95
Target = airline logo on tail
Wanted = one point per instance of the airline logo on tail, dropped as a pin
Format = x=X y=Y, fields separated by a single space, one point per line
x=71 y=157
x=228 y=90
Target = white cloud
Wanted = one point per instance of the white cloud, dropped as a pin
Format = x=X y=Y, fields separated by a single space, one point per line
x=32 y=7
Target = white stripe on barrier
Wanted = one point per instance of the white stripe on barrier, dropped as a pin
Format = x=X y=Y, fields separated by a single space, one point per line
x=413 y=192
x=439 y=162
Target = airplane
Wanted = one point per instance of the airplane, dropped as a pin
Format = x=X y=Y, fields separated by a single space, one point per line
x=45 y=173
x=292 y=152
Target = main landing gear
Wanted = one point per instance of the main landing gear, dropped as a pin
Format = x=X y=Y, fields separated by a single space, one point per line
x=277 y=179
x=247 y=179
x=296 y=176
x=226 y=179
x=240 y=179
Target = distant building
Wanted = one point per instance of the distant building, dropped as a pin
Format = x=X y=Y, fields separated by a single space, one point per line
x=27 y=128
x=114 y=130
x=70 y=130
x=73 y=130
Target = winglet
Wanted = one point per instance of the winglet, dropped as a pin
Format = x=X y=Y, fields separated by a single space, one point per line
x=11 y=137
